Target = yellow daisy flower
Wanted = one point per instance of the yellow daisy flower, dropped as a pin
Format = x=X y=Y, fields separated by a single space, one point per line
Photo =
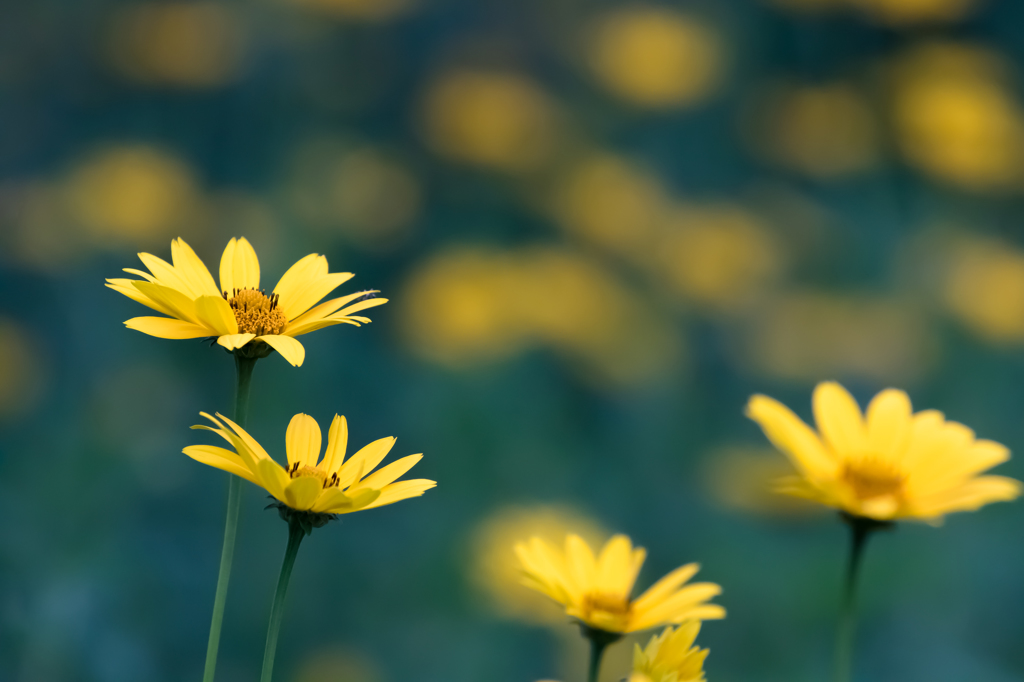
x=332 y=485
x=239 y=313
x=596 y=591
x=887 y=464
x=671 y=656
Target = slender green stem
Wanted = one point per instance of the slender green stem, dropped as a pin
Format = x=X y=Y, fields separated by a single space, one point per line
x=295 y=535
x=599 y=641
x=243 y=370
x=860 y=530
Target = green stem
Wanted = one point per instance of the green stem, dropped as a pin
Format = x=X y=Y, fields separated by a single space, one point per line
x=599 y=641
x=295 y=535
x=860 y=530
x=243 y=371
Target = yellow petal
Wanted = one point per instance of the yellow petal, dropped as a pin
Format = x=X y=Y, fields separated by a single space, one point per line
x=233 y=341
x=328 y=308
x=299 y=330
x=290 y=349
x=391 y=472
x=889 y=423
x=676 y=608
x=794 y=438
x=298 y=275
x=192 y=269
x=331 y=498
x=124 y=286
x=239 y=267
x=956 y=465
x=666 y=586
x=337 y=441
x=403 y=490
x=839 y=419
x=167 y=275
x=167 y=328
x=221 y=459
x=183 y=307
x=214 y=312
x=972 y=495
x=302 y=441
x=273 y=477
x=366 y=459
x=580 y=564
x=615 y=567
x=303 y=298
x=302 y=492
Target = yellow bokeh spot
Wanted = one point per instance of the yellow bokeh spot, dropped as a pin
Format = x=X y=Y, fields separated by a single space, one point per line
x=824 y=131
x=470 y=306
x=337 y=665
x=656 y=57
x=613 y=203
x=183 y=44
x=984 y=288
x=22 y=373
x=376 y=197
x=742 y=478
x=493 y=567
x=807 y=335
x=903 y=12
x=130 y=193
x=957 y=119
x=358 y=10
x=498 y=120
x=719 y=257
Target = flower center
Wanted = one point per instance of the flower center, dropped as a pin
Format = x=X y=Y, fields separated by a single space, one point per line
x=871 y=478
x=255 y=312
x=296 y=471
x=611 y=604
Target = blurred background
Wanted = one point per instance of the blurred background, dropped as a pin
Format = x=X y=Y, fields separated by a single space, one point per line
x=602 y=225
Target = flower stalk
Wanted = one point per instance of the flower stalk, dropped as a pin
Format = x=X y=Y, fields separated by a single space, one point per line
x=861 y=529
x=243 y=370
x=599 y=641
x=296 y=532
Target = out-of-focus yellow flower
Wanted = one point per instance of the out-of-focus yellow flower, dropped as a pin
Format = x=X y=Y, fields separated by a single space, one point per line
x=239 y=312
x=656 y=57
x=803 y=335
x=888 y=464
x=719 y=257
x=984 y=288
x=614 y=204
x=131 y=192
x=359 y=10
x=493 y=566
x=906 y=12
x=184 y=44
x=596 y=590
x=742 y=478
x=22 y=371
x=671 y=656
x=498 y=120
x=332 y=485
x=474 y=305
x=824 y=131
x=957 y=119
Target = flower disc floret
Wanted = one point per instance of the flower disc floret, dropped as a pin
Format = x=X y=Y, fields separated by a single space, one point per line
x=596 y=590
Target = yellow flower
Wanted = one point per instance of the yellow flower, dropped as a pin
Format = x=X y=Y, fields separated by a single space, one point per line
x=239 y=312
x=887 y=464
x=333 y=485
x=671 y=656
x=596 y=591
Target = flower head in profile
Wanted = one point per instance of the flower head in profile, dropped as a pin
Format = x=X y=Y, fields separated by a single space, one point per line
x=243 y=317
x=886 y=464
x=597 y=590
x=327 y=485
x=671 y=656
